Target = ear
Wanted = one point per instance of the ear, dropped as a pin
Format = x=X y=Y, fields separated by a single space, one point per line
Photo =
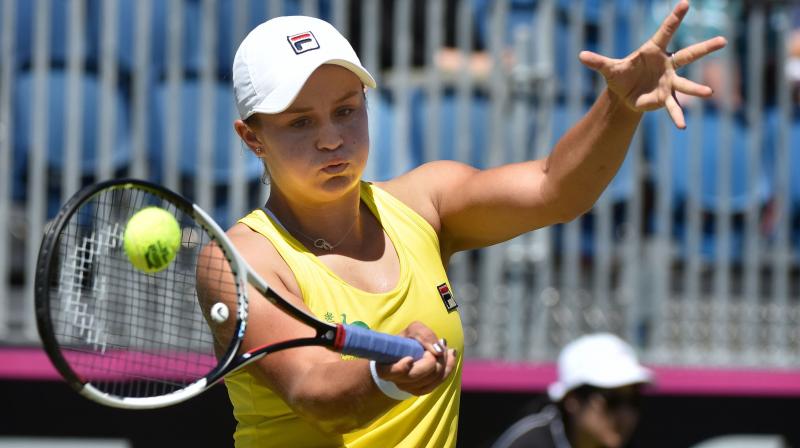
x=249 y=137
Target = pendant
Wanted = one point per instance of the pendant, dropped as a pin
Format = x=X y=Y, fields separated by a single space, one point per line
x=320 y=243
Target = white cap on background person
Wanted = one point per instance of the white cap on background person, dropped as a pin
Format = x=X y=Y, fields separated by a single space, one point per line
x=600 y=360
x=276 y=58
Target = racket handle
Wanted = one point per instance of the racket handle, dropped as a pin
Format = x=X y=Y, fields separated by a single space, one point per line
x=381 y=347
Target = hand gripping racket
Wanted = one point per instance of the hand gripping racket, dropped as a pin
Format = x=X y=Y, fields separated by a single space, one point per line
x=131 y=339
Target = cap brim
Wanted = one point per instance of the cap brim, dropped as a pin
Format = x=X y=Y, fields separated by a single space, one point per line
x=280 y=99
x=638 y=375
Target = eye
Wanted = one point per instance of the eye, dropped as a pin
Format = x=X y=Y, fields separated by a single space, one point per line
x=300 y=123
x=344 y=111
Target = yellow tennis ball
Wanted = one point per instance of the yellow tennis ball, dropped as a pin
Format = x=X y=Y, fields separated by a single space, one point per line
x=152 y=238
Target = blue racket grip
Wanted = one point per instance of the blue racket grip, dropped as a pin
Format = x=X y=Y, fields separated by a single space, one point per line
x=381 y=347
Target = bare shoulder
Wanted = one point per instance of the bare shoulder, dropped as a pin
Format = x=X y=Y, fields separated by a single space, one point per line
x=423 y=187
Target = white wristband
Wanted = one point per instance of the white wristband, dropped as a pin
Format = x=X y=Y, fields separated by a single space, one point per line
x=387 y=387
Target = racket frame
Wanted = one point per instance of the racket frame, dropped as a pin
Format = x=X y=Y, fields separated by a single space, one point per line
x=326 y=334
x=42 y=289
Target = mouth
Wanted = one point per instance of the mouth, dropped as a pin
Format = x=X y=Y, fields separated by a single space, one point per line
x=335 y=167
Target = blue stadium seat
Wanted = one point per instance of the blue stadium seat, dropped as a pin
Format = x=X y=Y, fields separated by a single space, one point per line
x=158 y=30
x=188 y=126
x=381 y=123
x=792 y=144
x=523 y=13
x=56 y=111
x=193 y=56
x=739 y=197
x=478 y=123
x=25 y=14
x=382 y=115
x=256 y=12
x=794 y=180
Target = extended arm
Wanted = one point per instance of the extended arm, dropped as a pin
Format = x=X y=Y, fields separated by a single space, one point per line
x=474 y=208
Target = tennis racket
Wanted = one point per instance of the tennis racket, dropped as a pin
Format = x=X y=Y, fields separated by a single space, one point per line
x=136 y=340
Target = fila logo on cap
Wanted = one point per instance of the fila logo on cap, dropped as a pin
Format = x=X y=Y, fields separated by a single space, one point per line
x=447 y=297
x=303 y=42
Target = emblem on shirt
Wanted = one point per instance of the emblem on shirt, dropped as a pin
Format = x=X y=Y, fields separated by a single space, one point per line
x=330 y=318
x=303 y=42
x=447 y=297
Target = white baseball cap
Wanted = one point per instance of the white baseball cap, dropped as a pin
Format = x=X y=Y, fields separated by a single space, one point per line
x=276 y=58
x=601 y=360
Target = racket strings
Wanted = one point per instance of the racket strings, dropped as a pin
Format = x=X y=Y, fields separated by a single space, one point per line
x=126 y=332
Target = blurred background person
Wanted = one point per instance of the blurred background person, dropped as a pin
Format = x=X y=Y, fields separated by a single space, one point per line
x=793 y=64
x=595 y=401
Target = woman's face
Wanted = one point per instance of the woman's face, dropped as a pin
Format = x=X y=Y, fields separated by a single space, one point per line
x=608 y=417
x=318 y=147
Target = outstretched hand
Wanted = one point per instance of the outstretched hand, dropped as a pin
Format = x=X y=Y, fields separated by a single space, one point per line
x=647 y=79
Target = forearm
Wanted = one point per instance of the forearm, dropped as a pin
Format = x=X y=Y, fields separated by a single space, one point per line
x=338 y=396
x=588 y=156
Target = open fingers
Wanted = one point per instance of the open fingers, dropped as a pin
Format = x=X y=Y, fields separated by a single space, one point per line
x=690 y=87
x=648 y=101
x=595 y=61
x=686 y=56
x=670 y=25
x=675 y=112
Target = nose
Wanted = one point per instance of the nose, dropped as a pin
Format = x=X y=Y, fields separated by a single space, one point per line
x=330 y=137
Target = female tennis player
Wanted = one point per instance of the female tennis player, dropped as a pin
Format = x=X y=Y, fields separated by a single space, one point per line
x=374 y=254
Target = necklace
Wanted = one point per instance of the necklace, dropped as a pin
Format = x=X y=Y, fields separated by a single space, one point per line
x=322 y=243
x=319 y=243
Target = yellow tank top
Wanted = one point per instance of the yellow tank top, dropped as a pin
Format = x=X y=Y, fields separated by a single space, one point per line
x=422 y=294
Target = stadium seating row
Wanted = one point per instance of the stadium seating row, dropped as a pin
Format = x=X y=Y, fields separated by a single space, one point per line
x=174 y=126
x=668 y=151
